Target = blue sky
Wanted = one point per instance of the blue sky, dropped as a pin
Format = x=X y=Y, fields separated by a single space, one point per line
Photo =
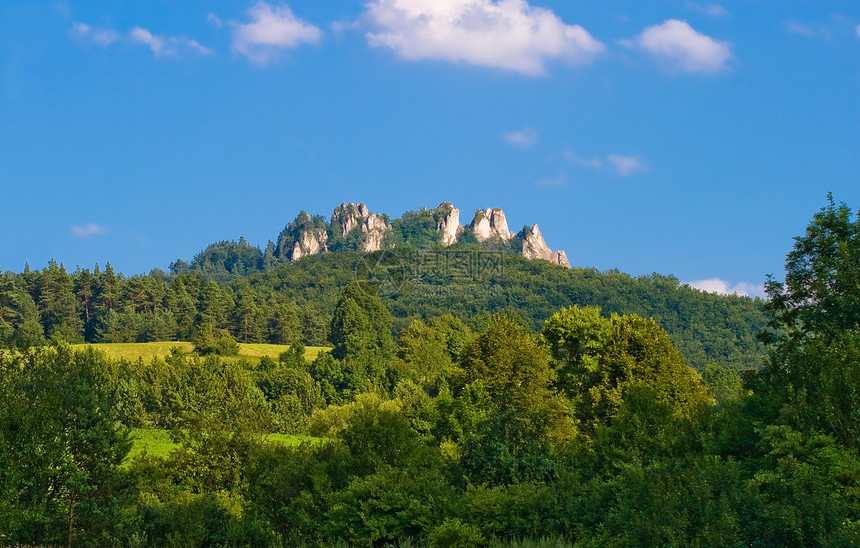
x=139 y=132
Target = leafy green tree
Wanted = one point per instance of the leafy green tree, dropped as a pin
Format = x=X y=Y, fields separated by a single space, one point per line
x=247 y=317
x=515 y=372
x=527 y=415
x=328 y=372
x=361 y=335
x=84 y=287
x=423 y=351
x=315 y=326
x=601 y=359
x=576 y=338
x=821 y=293
x=807 y=493
x=219 y=342
x=811 y=379
x=724 y=384
x=58 y=431
x=184 y=309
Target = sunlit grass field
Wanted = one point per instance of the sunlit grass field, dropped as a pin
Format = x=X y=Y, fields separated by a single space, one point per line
x=146 y=351
x=158 y=443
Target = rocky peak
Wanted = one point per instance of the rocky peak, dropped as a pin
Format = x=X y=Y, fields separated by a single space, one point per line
x=534 y=247
x=348 y=217
x=306 y=235
x=449 y=225
x=490 y=223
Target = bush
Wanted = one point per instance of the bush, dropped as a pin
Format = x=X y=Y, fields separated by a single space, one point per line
x=209 y=341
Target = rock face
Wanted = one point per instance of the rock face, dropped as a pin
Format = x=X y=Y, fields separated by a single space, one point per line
x=374 y=229
x=534 y=247
x=309 y=243
x=490 y=223
x=348 y=217
x=304 y=236
x=449 y=225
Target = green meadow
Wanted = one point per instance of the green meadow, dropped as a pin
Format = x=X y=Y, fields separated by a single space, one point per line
x=146 y=351
x=159 y=443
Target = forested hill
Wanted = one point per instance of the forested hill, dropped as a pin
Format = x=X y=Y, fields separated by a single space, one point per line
x=295 y=300
x=471 y=283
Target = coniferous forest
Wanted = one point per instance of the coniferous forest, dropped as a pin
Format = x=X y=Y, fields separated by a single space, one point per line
x=466 y=396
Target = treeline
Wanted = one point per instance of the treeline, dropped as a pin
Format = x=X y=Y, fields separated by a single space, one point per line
x=294 y=302
x=103 y=306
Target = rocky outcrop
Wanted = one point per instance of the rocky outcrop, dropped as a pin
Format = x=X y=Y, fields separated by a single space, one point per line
x=306 y=235
x=310 y=242
x=374 y=228
x=490 y=223
x=534 y=247
x=348 y=217
x=354 y=226
x=449 y=225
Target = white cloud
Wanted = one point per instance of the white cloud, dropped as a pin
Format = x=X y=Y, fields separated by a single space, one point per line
x=160 y=45
x=523 y=138
x=214 y=19
x=809 y=30
x=711 y=10
x=166 y=45
x=87 y=230
x=100 y=37
x=143 y=36
x=679 y=46
x=583 y=162
x=626 y=165
x=504 y=34
x=271 y=30
x=716 y=285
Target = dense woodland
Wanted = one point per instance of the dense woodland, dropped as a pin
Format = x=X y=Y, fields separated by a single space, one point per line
x=538 y=406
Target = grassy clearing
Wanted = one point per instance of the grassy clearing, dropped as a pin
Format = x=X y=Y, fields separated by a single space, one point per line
x=158 y=443
x=146 y=351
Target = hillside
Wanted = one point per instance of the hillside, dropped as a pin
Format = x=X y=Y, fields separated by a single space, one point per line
x=423 y=264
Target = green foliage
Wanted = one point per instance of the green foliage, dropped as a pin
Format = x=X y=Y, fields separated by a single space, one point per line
x=723 y=384
x=806 y=494
x=388 y=505
x=416 y=229
x=513 y=443
x=361 y=335
x=219 y=343
x=60 y=448
x=821 y=293
x=600 y=359
x=453 y=533
x=223 y=261
x=811 y=380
